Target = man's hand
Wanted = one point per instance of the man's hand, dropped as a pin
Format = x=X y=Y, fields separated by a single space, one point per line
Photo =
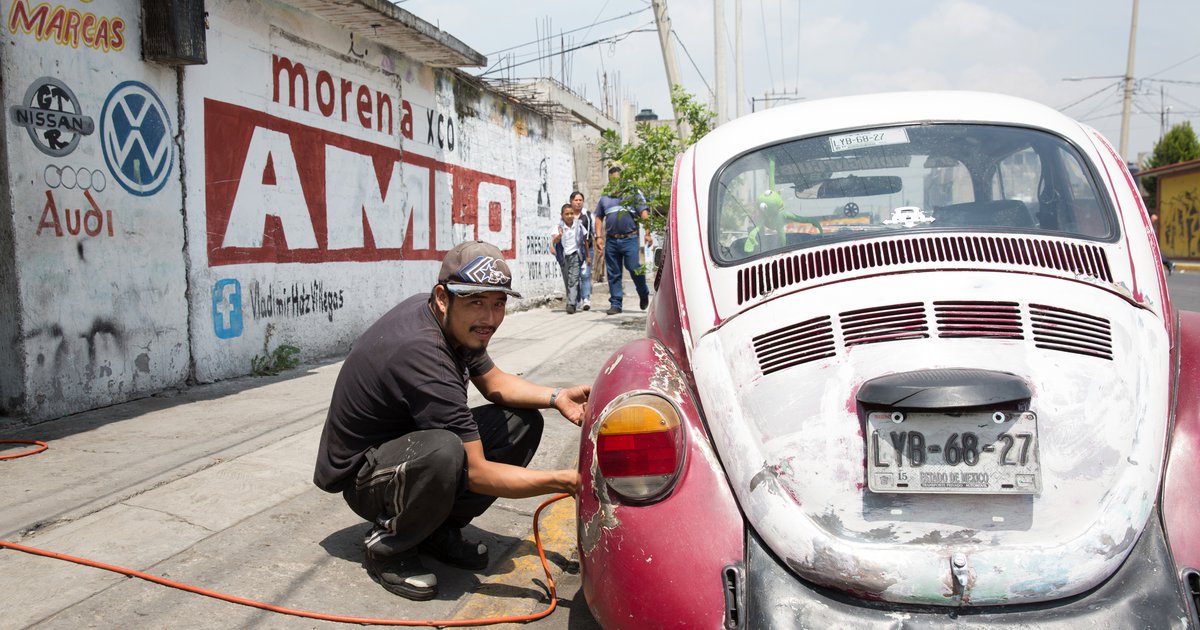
x=569 y=480
x=572 y=403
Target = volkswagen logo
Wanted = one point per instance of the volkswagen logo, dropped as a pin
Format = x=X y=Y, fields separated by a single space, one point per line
x=135 y=135
x=51 y=115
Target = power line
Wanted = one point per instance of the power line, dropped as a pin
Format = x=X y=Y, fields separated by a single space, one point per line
x=697 y=68
x=798 y=39
x=1074 y=103
x=762 y=13
x=588 y=28
x=598 y=14
x=782 y=63
x=610 y=39
x=1176 y=65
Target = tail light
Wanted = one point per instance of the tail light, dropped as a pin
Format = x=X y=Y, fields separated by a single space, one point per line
x=639 y=447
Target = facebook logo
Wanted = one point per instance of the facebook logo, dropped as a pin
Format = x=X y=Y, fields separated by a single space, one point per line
x=227 y=308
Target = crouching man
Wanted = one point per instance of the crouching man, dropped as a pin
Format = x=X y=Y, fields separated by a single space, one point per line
x=403 y=447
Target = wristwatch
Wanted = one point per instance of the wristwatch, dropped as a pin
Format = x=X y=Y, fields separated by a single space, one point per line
x=554 y=396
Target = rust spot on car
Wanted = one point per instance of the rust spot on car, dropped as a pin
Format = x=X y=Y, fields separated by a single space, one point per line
x=936 y=537
x=773 y=474
x=851 y=573
x=1113 y=548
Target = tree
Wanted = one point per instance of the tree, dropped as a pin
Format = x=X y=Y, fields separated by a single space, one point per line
x=1178 y=145
x=648 y=163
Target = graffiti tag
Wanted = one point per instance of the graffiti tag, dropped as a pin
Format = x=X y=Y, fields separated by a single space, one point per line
x=67 y=26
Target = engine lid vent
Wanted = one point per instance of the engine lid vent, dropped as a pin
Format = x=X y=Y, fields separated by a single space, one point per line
x=792 y=345
x=1068 y=257
x=884 y=323
x=1069 y=331
x=991 y=320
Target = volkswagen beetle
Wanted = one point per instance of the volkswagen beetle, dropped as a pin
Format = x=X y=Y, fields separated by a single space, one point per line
x=911 y=362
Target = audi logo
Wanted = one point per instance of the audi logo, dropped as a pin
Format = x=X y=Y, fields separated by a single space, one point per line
x=71 y=178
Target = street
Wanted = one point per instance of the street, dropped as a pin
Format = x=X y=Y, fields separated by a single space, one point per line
x=1184 y=285
x=211 y=486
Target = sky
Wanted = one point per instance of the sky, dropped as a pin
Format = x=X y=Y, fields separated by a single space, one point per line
x=1048 y=51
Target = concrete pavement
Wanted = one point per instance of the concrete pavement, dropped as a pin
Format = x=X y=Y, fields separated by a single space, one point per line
x=211 y=486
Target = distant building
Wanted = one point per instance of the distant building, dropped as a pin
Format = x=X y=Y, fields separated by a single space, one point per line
x=1178 y=209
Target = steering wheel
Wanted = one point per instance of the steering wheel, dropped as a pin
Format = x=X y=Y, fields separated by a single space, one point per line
x=850 y=209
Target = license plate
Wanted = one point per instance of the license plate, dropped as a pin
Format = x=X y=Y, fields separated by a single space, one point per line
x=992 y=452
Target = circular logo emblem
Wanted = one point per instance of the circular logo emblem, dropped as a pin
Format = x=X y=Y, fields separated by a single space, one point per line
x=51 y=115
x=135 y=135
x=71 y=177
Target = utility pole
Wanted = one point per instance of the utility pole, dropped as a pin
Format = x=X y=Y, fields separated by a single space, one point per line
x=668 y=52
x=719 y=52
x=1128 y=84
x=740 y=87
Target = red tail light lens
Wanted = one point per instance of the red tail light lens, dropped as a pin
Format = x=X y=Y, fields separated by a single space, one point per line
x=639 y=447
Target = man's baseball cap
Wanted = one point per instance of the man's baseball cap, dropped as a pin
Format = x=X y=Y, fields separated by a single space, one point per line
x=476 y=267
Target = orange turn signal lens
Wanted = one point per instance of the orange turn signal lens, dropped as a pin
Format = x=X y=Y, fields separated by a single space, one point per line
x=639 y=447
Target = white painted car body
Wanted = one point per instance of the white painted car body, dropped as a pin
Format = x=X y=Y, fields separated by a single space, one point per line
x=791 y=441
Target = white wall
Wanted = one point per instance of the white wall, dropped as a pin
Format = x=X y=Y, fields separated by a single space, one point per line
x=284 y=164
x=228 y=218
x=96 y=216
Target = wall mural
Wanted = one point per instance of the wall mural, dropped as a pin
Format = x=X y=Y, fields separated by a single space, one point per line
x=52 y=115
x=66 y=26
x=135 y=135
x=280 y=191
x=1179 y=223
x=227 y=308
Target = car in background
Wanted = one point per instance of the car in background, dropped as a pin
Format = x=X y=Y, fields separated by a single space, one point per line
x=911 y=361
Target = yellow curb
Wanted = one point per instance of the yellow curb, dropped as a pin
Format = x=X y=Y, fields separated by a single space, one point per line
x=521 y=589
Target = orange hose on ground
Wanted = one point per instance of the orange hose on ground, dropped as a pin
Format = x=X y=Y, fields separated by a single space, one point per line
x=43 y=446
x=537 y=536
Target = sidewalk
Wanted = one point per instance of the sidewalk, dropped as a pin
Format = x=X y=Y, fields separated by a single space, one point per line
x=211 y=486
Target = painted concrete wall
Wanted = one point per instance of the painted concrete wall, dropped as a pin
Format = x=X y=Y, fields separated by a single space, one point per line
x=97 y=228
x=177 y=223
x=326 y=181
x=1179 y=215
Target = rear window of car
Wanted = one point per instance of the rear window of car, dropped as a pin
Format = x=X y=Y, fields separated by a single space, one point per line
x=891 y=180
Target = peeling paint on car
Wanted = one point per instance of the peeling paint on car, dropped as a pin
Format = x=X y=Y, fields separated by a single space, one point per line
x=795 y=451
x=605 y=517
x=667 y=379
x=612 y=366
x=868 y=577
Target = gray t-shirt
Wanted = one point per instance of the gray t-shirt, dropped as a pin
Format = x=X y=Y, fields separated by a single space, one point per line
x=401 y=376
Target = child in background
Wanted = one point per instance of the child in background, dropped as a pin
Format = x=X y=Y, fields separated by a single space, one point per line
x=570 y=248
x=585 y=275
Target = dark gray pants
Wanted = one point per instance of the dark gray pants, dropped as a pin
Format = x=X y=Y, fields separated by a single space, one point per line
x=410 y=486
x=570 y=271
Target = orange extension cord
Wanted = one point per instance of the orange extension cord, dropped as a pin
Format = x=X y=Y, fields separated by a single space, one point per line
x=448 y=623
x=41 y=447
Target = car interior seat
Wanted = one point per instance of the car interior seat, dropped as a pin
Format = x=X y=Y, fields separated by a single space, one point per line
x=1001 y=213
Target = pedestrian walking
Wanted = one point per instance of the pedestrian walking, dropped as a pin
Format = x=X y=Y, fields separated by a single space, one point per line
x=585 y=274
x=570 y=249
x=616 y=235
x=403 y=447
